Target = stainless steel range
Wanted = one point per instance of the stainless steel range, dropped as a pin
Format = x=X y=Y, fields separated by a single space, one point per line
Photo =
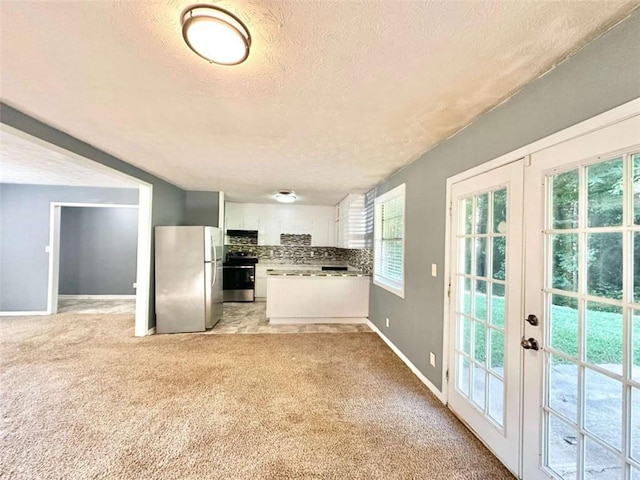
x=239 y=274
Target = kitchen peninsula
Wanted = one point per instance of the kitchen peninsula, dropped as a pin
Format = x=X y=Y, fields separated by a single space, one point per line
x=314 y=296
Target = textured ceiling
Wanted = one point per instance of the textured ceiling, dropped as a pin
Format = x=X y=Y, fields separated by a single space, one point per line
x=24 y=161
x=334 y=97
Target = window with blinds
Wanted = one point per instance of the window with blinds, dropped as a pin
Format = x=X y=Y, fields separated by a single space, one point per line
x=388 y=241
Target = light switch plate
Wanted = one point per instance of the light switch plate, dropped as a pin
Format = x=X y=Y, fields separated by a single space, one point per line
x=432 y=359
x=434 y=270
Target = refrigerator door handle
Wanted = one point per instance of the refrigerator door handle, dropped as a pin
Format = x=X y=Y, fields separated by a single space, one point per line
x=214 y=248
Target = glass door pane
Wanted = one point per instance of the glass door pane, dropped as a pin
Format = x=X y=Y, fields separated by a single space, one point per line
x=486 y=253
x=480 y=281
x=591 y=370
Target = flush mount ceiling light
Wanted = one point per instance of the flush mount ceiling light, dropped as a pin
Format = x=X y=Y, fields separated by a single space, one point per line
x=286 y=196
x=215 y=34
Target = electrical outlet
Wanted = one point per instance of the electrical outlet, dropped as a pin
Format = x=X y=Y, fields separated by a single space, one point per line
x=434 y=270
x=135 y=285
x=47 y=249
x=432 y=359
x=387 y=322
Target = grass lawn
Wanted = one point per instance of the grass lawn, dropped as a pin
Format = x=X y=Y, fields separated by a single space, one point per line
x=603 y=332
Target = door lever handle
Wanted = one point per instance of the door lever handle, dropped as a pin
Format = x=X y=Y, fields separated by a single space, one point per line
x=529 y=344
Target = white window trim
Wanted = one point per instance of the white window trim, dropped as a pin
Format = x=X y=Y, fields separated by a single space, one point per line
x=398 y=191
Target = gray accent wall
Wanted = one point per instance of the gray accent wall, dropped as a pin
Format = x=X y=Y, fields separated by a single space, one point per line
x=603 y=75
x=168 y=200
x=201 y=208
x=24 y=227
x=98 y=250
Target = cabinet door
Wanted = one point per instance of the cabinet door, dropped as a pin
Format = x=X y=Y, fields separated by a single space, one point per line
x=322 y=234
x=233 y=217
x=272 y=231
x=288 y=226
x=304 y=226
x=251 y=223
x=261 y=287
x=234 y=223
x=261 y=271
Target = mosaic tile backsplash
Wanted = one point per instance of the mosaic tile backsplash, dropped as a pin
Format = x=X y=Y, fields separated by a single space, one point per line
x=243 y=240
x=360 y=258
x=297 y=240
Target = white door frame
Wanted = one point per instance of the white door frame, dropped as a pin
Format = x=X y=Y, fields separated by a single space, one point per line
x=143 y=269
x=142 y=293
x=145 y=230
x=602 y=120
x=53 y=249
x=598 y=122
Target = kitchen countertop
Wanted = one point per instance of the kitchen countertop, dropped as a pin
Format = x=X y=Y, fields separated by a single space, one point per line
x=316 y=273
x=302 y=264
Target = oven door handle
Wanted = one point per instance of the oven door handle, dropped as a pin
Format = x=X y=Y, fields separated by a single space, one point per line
x=237 y=266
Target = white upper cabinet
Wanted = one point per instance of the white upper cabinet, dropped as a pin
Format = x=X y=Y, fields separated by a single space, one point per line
x=297 y=225
x=233 y=216
x=272 y=220
x=350 y=224
x=341 y=226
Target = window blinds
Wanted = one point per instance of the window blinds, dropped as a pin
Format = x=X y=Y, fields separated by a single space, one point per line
x=389 y=240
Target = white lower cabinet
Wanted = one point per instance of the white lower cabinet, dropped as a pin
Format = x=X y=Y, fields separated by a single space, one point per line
x=261 y=275
x=261 y=281
x=318 y=299
x=261 y=288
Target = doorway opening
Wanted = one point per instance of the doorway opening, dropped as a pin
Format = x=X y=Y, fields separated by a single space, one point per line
x=54 y=170
x=97 y=258
x=143 y=255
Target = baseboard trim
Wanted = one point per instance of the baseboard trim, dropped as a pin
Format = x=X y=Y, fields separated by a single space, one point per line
x=313 y=320
x=22 y=314
x=97 y=297
x=151 y=331
x=439 y=395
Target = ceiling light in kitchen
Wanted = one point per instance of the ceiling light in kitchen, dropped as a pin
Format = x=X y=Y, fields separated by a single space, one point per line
x=215 y=34
x=286 y=196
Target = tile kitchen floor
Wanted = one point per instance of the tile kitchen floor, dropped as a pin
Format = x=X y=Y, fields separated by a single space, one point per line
x=93 y=306
x=250 y=317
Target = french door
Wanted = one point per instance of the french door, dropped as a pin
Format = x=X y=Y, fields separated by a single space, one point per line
x=581 y=391
x=564 y=270
x=486 y=292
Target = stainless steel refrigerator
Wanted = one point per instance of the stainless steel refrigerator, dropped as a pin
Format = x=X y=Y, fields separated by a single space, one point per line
x=188 y=278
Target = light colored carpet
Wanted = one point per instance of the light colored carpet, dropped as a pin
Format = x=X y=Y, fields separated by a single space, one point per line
x=82 y=398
